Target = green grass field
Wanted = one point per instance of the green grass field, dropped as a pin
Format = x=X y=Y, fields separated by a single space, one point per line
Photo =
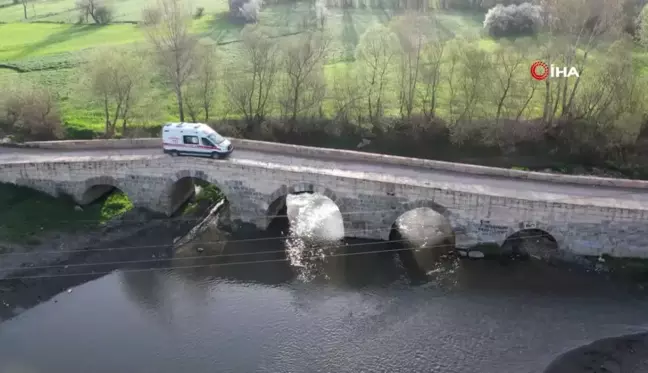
x=43 y=39
x=64 y=11
x=53 y=53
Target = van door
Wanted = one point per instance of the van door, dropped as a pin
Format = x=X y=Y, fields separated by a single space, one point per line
x=191 y=144
x=206 y=143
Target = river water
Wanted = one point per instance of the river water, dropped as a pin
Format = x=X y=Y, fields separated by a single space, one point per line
x=303 y=307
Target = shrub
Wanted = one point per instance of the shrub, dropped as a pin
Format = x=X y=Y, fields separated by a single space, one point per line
x=199 y=12
x=76 y=133
x=228 y=128
x=250 y=10
x=100 y=12
x=245 y=10
x=103 y=15
x=513 y=20
x=31 y=114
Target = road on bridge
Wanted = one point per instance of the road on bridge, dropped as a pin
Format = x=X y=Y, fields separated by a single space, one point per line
x=493 y=185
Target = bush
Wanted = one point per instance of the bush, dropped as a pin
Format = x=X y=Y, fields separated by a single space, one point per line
x=100 y=13
x=199 y=12
x=513 y=20
x=228 y=128
x=245 y=10
x=75 y=133
x=103 y=15
x=29 y=113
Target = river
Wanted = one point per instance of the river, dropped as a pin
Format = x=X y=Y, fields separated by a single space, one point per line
x=295 y=312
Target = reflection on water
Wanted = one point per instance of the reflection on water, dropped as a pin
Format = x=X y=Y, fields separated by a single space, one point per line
x=244 y=306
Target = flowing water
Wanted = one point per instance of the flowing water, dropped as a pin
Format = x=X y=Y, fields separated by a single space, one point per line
x=302 y=305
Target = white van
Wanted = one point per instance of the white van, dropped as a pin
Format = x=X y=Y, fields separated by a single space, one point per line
x=194 y=139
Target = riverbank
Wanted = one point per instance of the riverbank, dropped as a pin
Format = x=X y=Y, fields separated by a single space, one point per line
x=41 y=259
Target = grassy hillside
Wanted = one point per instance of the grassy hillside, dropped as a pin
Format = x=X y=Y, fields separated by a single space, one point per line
x=53 y=53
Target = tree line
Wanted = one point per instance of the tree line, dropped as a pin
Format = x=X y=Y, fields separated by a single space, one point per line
x=411 y=74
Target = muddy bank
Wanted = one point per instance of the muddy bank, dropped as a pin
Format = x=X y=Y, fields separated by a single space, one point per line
x=626 y=354
x=138 y=240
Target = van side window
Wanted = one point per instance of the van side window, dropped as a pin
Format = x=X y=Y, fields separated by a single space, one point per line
x=192 y=140
x=206 y=142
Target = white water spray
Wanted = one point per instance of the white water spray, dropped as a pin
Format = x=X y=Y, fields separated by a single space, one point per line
x=315 y=225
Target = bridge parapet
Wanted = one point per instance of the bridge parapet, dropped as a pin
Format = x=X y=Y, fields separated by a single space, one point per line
x=369 y=203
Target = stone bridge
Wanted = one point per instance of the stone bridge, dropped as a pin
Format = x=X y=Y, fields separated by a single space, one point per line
x=585 y=216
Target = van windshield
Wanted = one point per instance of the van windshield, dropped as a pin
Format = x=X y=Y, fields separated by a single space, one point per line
x=216 y=138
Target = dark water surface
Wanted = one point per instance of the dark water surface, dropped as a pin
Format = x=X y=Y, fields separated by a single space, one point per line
x=347 y=314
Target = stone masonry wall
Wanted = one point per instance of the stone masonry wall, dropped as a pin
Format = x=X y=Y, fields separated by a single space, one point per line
x=369 y=206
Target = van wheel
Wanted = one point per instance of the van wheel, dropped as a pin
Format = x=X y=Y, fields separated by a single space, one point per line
x=174 y=153
x=215 y=155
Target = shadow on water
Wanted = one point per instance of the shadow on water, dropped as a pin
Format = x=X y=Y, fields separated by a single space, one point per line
x=250 y=255
x=397 y=244
x=244 y=255
x=149 y=249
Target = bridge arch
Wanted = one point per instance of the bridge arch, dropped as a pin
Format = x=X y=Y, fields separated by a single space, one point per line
x=276 y=202
x=417 y=248
x=393 y=216
x=97 y=187
x=182 y=185
x=536 y=242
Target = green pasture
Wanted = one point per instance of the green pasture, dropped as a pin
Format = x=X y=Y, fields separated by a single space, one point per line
x=19 y=41
x=53 y=53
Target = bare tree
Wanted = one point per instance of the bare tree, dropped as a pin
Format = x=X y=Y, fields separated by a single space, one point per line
x=469 y=91
x=450 y=74
x=24 y=4
x=201 y=88
x=431 y=70
x=174 y=46
x=475 y=64
x=615 y=100
x=303 y=87
x=114 y=81
x=377 y=53
x=347 y=95
x=412 y=32
x=321 y=13
x=578 y=27
x=249 y=90
x=98 y=10
x=510 y=62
